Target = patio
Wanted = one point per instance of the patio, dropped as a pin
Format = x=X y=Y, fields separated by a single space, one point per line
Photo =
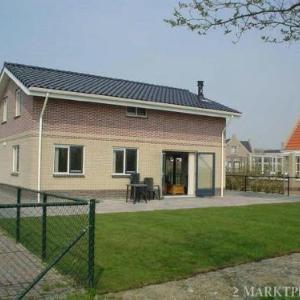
x=230 y=198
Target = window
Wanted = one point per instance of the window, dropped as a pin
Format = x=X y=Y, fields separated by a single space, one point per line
x=68 y=160
x=279 y=165
x=124 y=161
x=233 y=149
x=18 y=102
x=298 y=166
x=136 y=112
x=286 y=165
x=229 y=165
x=257 y=164
x=16 y=159
x=267 y=165
x=236 y=165
x=4 y=110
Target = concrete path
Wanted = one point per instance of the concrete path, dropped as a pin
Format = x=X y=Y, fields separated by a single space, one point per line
x=240 y=282
x=18 y=268
x=230 y=199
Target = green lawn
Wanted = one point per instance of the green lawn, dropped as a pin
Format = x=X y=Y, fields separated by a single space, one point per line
x=136 y=249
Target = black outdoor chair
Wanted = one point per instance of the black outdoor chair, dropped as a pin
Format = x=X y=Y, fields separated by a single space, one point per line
x=135 y=178
x=153 y=191
x=141 y=192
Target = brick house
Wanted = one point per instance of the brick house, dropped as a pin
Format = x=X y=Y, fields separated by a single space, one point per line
x=238 y=155
x=85 y=134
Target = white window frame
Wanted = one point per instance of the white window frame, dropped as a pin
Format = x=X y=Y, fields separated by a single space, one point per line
x=68 y=173
x=285 y=165
x=16 y=159
x=124 y=160
x=18 y=103
x=136 y=115
x=4 y=110
x=233 y=149
x=297 y=166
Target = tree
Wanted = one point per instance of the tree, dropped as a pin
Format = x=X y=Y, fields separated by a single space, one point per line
x=279 y=20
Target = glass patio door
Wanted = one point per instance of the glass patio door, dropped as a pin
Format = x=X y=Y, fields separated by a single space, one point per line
x=205 y=174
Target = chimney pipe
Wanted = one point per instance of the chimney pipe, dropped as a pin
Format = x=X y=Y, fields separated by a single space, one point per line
x=200 y=89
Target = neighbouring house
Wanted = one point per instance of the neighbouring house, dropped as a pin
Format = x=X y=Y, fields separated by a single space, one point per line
x=267 y=162
x=237 y=155
x=85 y=134
x=241 y=158
x=292 y=156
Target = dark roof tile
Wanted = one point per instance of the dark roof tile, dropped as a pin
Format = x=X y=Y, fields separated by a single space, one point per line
x=247 y=145
x=32 y=76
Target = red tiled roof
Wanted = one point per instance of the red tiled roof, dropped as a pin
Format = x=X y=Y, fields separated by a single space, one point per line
x=293 y=142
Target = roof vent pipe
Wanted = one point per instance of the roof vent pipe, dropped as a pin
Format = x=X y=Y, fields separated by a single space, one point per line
x=200 y=89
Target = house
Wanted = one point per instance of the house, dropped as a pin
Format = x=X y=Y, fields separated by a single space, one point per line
x=292 y=156
x=242 y=158
x=237 y=155
x=85 y=134
x=267 y=162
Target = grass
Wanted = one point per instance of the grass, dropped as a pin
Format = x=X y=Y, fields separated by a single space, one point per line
x=136 y=249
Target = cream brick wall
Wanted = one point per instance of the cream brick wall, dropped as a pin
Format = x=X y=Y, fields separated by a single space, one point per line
x=27 y=175
x=241 y=151
x=99 y=161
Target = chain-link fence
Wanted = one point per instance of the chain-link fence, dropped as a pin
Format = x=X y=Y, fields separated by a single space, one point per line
x=46 y=243
x=284 y=185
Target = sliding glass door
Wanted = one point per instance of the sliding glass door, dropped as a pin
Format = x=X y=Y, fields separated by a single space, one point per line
x=205 y=174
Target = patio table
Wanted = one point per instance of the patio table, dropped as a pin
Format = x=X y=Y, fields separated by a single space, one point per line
x=135 y=187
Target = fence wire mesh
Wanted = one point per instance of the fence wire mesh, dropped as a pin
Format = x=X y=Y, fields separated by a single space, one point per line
x=37 y=232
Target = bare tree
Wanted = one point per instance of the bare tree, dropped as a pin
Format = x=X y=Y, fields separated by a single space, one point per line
x=279 y=20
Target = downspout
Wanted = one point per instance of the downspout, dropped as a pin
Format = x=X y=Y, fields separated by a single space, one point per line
x=40 y=144
x=222 y=155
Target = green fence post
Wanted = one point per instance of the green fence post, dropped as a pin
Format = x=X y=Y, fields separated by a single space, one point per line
x=91 y=242
x=18 y=219
x=44 y=228
x=245 y=183
x=288 y=185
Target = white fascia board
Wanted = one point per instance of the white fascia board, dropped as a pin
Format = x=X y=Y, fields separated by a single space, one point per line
x=2 y=75
x=16 y=81
x=2 y=82
x=272 y=155
x=287 y=152
x=41 y=92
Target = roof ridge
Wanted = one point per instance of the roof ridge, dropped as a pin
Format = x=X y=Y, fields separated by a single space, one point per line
x=92 y=75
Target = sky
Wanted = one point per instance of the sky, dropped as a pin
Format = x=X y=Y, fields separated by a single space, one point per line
x=129 y=39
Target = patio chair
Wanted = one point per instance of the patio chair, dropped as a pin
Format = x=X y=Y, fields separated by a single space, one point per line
x=135 y=178
x=140 y=192
x=153 y=191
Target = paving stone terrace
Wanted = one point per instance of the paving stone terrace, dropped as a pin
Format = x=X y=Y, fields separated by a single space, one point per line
x=170 y=203
x=18 y=268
